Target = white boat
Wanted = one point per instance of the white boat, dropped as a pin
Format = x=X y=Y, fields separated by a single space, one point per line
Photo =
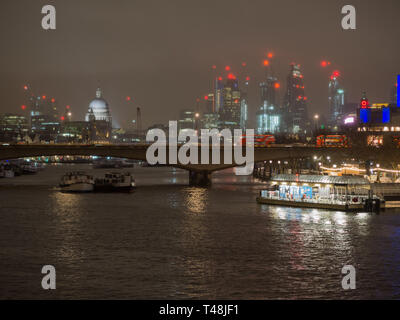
x=8 y=172
x=77 y=182
x=115 y=182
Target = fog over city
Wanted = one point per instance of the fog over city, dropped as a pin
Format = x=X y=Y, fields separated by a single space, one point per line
x=161 y=53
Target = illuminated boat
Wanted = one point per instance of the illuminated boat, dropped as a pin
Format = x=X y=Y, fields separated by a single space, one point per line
x=77 y=182
x=345 y=193
x=115 y=182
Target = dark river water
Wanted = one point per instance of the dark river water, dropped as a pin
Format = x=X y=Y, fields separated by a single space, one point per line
x=171 y=241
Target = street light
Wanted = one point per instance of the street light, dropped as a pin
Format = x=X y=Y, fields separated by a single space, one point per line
x=316 y=119
x=196 y=121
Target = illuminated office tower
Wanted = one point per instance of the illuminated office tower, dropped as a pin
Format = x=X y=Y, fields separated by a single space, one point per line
x=268 y=117
x=295 y=105
x=336 y=99
x=210 y=118
x=209 y=103
x=231 y=109
x=218 y=96
x=244 y=105
x=186 y=120
x=393 y=94
x=13 y=127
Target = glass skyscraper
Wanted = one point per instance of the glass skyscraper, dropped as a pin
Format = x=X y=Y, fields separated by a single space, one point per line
x=295 y=105
x=268 y=117
x=336 y=99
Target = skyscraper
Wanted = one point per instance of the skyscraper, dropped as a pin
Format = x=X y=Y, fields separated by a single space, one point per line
x=231 y=109
x=393 y=94
x=244 y=105
x=209 y=103
x=295 y=106
x=218 y=99
x=268 y=117
x=186 y=120
x=336 y=99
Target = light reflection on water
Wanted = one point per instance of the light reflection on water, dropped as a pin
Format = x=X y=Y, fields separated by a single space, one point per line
x=168 y=240
x=196 y=199
x=67 y=220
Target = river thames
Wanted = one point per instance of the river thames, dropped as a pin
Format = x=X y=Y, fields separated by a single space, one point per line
x=167 y=240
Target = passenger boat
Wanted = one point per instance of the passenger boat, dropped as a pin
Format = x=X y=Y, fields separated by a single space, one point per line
x=115 y=182
x=77 y=182
x=345 y=193
x=8 y=172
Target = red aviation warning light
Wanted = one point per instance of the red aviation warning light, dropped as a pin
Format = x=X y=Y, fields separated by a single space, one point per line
x=325 y=63
x=247 y=78
x=214 y=67
x=128 y=98
x=244 y=64
x=364 y=104
x=205 y=97
x=68 y=107
x=25 y=87
x=231 y=76
x=227 y=68
x=219 y=78
x=23 y=107
x=270 y=55
x=44 y=97
x=62 y=118
x=53 y=100
x=277 y=85
x=266 y=63
x=335 y=74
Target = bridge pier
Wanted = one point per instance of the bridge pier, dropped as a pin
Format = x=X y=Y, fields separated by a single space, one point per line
x=200 y=178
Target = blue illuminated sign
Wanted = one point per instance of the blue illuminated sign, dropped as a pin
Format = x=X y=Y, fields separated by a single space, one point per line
x=385 y=115
x=365 y=115
x=398 y=90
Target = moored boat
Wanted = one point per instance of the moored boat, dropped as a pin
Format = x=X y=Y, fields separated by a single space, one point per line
x=8 y=172
x=345 y=193
x=115 y=182
x=77 y=182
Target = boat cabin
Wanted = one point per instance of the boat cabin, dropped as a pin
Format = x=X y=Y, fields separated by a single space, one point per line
x=318 y=188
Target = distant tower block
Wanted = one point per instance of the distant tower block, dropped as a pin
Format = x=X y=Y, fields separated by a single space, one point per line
x=139 y=120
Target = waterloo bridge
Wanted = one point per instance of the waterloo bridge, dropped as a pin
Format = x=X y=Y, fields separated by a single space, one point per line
x=200 y=174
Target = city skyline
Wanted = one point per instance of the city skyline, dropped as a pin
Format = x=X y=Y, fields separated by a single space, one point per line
x=155 y=74
x=208 y=153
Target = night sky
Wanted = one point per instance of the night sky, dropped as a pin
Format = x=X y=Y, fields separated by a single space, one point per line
x=161 y=52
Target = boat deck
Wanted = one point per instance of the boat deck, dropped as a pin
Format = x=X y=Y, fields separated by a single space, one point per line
x=315 y=205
